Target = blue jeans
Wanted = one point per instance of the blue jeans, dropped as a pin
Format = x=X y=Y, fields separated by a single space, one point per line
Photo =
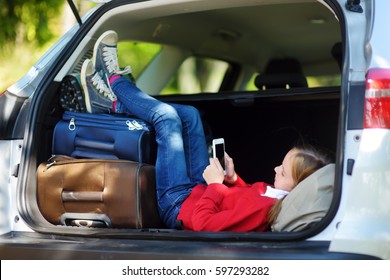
x=182 y=150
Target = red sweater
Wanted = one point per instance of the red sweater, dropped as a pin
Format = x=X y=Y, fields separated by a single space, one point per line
x=239 y=207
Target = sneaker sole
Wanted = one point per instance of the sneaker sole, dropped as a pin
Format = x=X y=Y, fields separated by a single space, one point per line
x=99 y=40
x=83 y=79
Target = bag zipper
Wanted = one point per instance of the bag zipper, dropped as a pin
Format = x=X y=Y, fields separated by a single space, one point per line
x=131 y=124
x=72 y=124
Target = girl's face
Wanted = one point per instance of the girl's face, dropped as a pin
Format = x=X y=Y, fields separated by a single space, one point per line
x=283 y=173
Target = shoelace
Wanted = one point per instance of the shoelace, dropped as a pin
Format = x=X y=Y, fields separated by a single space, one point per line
x=100 y=85
x=110 y=58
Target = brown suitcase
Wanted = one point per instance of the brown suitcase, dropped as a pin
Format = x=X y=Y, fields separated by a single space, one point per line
x=98 y=193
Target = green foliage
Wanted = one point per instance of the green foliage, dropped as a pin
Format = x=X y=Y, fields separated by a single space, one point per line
x=28 y=29
x=27 y=20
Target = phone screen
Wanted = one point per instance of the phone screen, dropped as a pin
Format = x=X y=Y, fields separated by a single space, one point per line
x=220 y=153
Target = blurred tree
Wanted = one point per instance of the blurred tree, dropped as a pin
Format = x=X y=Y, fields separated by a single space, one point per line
x=27 y=20
x=27 y=29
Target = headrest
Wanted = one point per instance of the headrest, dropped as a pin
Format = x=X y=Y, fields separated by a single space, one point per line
x=280 y=73
x=308 y=202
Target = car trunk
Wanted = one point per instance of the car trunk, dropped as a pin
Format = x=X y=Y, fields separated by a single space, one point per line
x=259 y=127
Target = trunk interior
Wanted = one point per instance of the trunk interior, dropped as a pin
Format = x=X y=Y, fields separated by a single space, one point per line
x=259 y=127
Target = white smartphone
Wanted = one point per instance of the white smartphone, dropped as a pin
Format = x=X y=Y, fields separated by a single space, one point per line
x=219 y=151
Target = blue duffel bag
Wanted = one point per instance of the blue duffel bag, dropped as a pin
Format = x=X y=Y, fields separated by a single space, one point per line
x=105 y=136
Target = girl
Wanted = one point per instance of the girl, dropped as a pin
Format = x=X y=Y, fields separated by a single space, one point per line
x=228 y=203
x=183 y=168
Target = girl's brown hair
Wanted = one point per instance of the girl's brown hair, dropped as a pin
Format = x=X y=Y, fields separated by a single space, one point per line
x=306 y=160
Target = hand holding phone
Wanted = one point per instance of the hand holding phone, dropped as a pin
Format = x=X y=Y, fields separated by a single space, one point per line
x=219 y=152
x=230 y=176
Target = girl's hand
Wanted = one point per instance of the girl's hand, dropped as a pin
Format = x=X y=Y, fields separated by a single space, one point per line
x=231 y=175
x=213 y=172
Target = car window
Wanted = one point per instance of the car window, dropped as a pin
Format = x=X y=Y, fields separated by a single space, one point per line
x=323 y=81
x=137 y=54
x=197 y=74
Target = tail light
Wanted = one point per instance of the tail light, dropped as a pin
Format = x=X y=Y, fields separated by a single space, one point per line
x=377 y=99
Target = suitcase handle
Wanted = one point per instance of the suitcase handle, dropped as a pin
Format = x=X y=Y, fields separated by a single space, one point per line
x=88 y=220
x=68 y=196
